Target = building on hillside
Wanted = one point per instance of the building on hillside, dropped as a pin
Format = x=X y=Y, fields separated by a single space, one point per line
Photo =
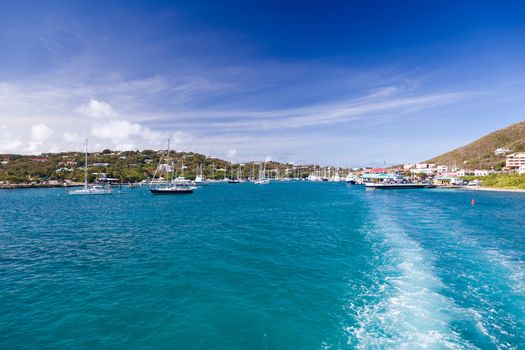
x=40 y=160
x=425 y=166
x=502 y=151
x=521 y=170
x=376 y=171
x=441 y=170
x=408 y=166
x=515 y=160
x=481 y=172
x=427 y=171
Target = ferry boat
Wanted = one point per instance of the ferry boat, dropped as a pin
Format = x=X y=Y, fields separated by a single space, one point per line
x=396 y=186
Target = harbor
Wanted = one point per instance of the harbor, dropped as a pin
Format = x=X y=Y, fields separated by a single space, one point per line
x=262 y=175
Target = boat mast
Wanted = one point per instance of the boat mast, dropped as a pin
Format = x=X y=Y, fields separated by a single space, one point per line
x=167 y=162
x=86 y=166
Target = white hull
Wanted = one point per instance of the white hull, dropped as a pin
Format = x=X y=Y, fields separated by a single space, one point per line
x=261 y=182
x=91 y=191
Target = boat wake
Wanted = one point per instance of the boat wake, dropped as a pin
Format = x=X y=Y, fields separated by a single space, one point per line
x=403 y=308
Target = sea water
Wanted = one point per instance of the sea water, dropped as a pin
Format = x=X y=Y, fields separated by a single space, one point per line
x=289 y=265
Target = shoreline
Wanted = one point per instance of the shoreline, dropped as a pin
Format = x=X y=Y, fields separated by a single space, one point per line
x=19 y=186
x=493 y=189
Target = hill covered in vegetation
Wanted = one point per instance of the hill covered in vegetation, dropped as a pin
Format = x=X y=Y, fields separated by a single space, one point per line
x=480 y=153
x=129 y=166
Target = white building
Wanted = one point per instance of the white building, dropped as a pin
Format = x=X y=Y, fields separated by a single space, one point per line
x=502 y=151
x=428 y=171
x=515 y=160
x=425 y=166
x=521 y=170
x=479 y=172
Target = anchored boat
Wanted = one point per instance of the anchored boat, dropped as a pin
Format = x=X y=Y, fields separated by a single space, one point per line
x=170 y=186
x=94 y=188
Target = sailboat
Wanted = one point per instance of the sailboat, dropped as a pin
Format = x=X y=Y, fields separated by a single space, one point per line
x=94 y=188
x=200 y=180
x=262 y=180
x=238 y=180
x=171 y=186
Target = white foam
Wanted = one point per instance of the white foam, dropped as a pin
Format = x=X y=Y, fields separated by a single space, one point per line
x=408 y=312
x=515 y=269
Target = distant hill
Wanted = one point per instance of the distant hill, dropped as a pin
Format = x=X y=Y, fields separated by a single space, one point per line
x=480 y=153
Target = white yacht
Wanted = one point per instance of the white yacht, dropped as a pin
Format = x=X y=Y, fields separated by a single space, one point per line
x=262 y=180
x=93 y=188
x=180 y=185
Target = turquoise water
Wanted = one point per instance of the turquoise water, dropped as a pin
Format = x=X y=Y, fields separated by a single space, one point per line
x=281 y=266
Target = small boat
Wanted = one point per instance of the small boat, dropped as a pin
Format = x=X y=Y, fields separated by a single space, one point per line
x=239 y=179
x=350 y=179
x=180 y=185
x=200 y=179
x=172 y=189
x=90 y=189
x=262 y=180
x=93 y=189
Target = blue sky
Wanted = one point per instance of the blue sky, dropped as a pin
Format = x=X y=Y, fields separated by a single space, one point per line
x=343 y=83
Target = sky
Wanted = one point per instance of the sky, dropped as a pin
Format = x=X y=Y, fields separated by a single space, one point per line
x=349 y=83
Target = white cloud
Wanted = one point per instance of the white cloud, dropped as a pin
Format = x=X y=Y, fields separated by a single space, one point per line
x=33 y=146
x=231 y=153
x=268 y=159
x=116 y=130
x=71 y=137
x=126 y=135
x=8 y=141
x=7 y=146
x=97 y=109
x=126 y=147
x=41 y=132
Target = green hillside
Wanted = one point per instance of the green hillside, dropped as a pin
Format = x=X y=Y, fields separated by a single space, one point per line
x=480 y=153
x=129 y=166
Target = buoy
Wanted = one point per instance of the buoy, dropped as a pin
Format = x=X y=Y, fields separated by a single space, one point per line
x=473 y=201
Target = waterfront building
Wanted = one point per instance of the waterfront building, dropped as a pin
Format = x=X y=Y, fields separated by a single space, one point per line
x=515 y=160
x=448 y=181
